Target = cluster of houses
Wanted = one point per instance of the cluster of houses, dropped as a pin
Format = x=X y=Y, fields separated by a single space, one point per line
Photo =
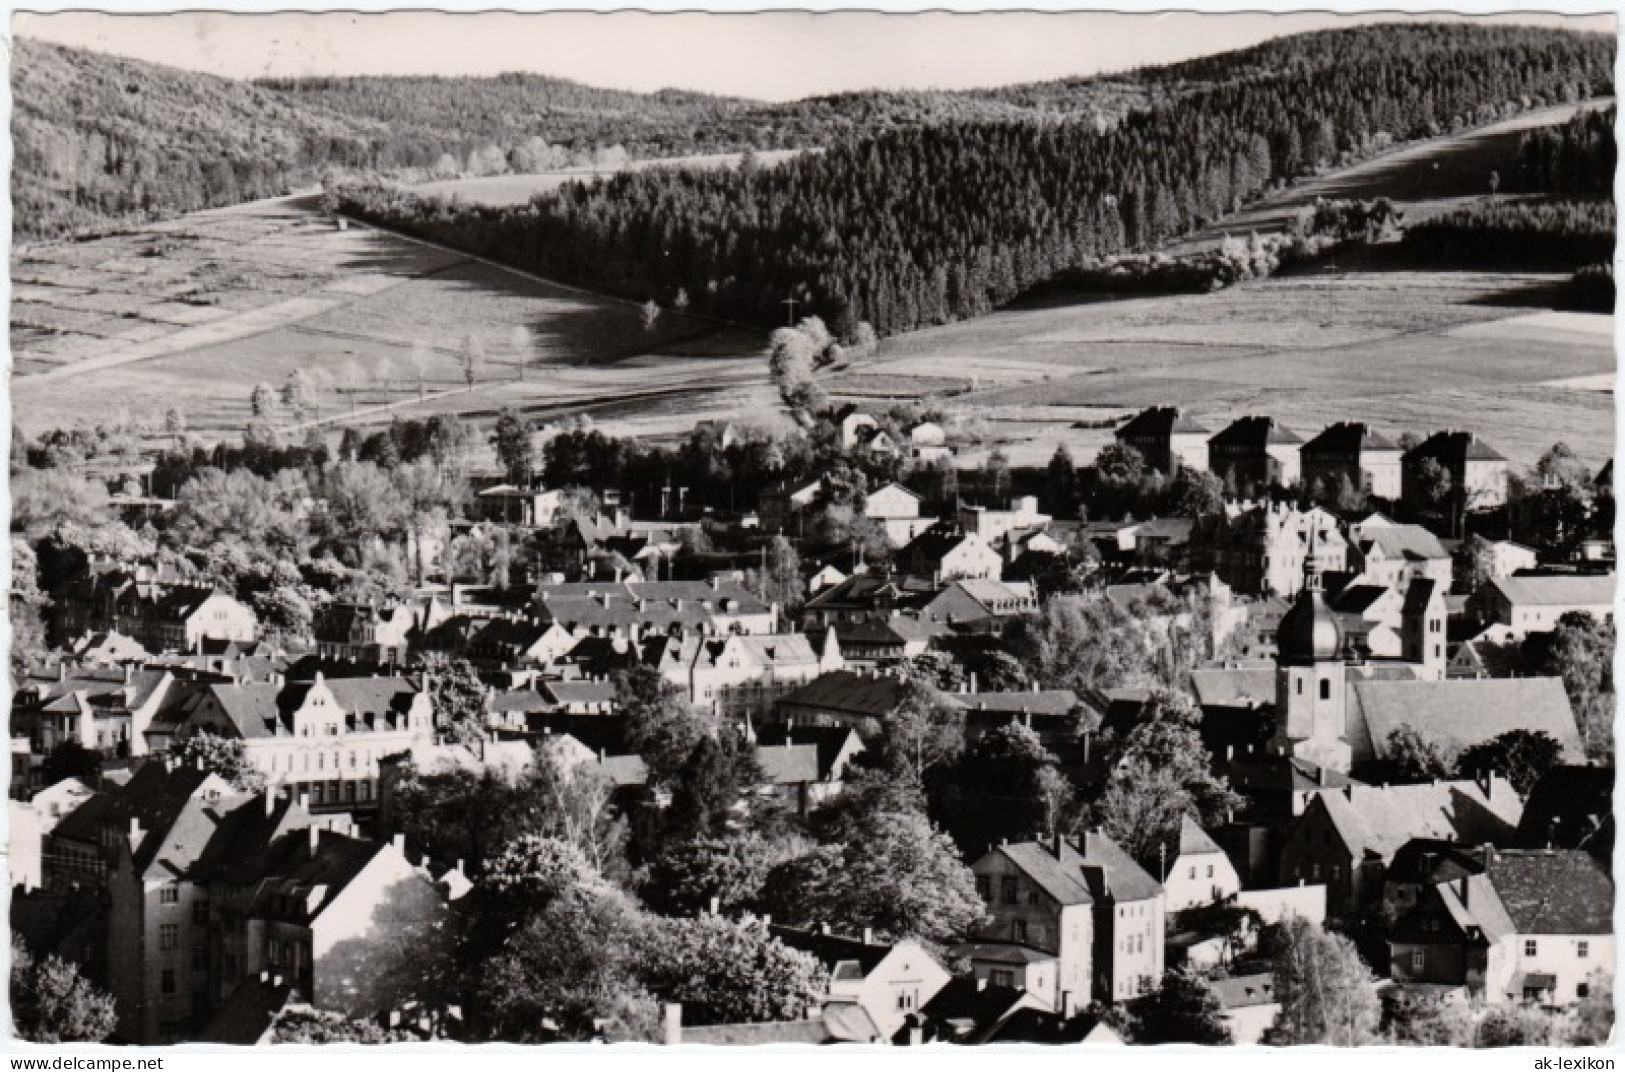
x=204 y=910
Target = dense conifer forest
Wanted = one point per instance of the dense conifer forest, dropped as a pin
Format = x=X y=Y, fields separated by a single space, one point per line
x=102 y=140
x=924 y=225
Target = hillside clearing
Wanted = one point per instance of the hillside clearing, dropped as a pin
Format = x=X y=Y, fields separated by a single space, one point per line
x=499 y=190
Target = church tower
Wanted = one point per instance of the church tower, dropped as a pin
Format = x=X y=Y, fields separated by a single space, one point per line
x=1311 y=693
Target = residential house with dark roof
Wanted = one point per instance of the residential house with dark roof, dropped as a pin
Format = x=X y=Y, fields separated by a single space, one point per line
x=841 y=698
x=1475 y=468
x=178 y=617
x=945 y=552
x=365 y=633
x=1038 y=1027
x=1167 y=438
x=897 y=510
x=806 y=765
x=104 y=709
x=1346 y=840
x=1253 y=453
x=1353 y=450
x=864 y=596
x=887 y=980
x=981 y=606
x=638 y=609
x=1534 y=925
x=514 y=643
x=995 y=527
x=969 y=1008
x=882 y=643
x=324 y=738
x=1087 y=903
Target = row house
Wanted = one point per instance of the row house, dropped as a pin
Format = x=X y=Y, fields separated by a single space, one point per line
x=1256 y=452
x=324 y=737
x=741 y=677
x=366 y=633
x=1353 y=450
x=1088 y=904
x=89 y=602
x=1511 y=926
x=1167 y=438
x=1345 y=840
x=104 y=709
x=1478 y=472
x=207 y=888
x=179 y=617
x=878 y=643
x=637 y=609
x=1263 y=548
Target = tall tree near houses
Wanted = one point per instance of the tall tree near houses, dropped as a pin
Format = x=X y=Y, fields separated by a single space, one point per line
x=1183 y=1008
x=224 y=756
x=1327 y=994
x=514 y=449
x=51 y=1002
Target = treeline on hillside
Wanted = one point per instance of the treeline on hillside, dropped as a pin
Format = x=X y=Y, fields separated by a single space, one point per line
x=535 y=122
x=101 y=139
x=926 y=225
x=1518 y=233
x=1576 y=158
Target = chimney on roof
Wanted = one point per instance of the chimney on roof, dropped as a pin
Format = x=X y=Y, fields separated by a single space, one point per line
x=1056 y=843
x=135 y=833
x=270 y=801
x=671 y=1025
x=304 y=801
x=1069 y=1007
x=868 y=936
x=315 y=840
x=62 y=670
x=981 y=983
x=399 y=841
x=822 y=928
x=1461 y=888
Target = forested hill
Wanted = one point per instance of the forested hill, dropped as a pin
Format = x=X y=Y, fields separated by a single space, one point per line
x=97 y=138
x=927 y=224
x=101 y=139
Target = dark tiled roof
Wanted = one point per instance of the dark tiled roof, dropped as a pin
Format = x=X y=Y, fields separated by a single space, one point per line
x=1046 y=1028
x=1410 y=542
x=1562 y=591
x=248 y=1013
x=1453 y=448
x=847 y=692
x=1557 y=891
x=1255 y=432
x=834 y=950
x=830 y=741
x=1348 y=437
x=1160 y=421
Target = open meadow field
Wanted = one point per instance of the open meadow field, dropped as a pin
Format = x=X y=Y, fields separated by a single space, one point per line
x=1405 y=351
x=192 y=313
x=497 y=190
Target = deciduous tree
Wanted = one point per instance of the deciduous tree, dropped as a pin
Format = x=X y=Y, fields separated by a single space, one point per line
x=1327 y=994
x=225 y=756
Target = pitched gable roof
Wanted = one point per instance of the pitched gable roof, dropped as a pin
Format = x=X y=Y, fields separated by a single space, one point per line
x=1460 y=713
x=1581 y=590
x=1381 y=820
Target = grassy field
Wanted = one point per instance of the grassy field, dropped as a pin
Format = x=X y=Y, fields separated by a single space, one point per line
x=519 y=189
x=1405 y=351
x=194 y=312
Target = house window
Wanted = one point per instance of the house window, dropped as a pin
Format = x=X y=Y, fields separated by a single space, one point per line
x=1325 y=688
x=166 y=981
x=1018 y=930
x=170 y=894
x=1300 y=686
x=1193 y=871
x=1209 y=870
x=1582 y=950
x=1009 y=885
x=1002 y=977
x=200 y=911
x=1530 y=947
x=169 y=936
x=984 y=887
x=1418 y=960
x=200 y=956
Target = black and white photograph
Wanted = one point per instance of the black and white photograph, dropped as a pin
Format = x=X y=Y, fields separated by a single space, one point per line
x=1079 y=528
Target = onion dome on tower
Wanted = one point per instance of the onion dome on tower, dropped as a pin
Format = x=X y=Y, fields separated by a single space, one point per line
x=1309 y=632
